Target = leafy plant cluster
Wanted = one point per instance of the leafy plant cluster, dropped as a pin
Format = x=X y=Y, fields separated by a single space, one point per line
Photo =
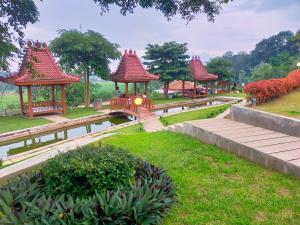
x=146 y=200
x=88 y=169
x=265 y=90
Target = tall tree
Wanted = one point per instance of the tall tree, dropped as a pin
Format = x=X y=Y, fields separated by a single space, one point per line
x=272 y=46
x=89 y=51
x=263 y=71
x=187 y=9
x=169 y=60
x=14 y=17
x=220 y=66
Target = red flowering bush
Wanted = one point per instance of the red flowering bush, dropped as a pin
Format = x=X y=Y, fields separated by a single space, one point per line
x=265 y=90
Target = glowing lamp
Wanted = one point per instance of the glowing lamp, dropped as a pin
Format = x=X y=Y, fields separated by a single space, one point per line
x=298 y=64
x=138 y=101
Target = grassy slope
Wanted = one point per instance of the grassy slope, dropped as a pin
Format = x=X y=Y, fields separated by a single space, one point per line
x=164 y=100
x=213 y=186
x=287 y=105
x=9 y=99
x=11 y=123
x=80 y=112
x=194 y=115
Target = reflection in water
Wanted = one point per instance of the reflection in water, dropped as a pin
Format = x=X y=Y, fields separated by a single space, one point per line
x=182 y=108
x=46 y=139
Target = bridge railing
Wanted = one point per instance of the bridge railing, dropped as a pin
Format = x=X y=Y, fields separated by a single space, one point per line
x=129 y=104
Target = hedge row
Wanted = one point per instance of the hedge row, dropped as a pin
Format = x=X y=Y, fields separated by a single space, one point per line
x=265 y=90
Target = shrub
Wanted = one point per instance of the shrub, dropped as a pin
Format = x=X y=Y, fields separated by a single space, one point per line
x=265 y=90
x=86 y=170
x=146 y=202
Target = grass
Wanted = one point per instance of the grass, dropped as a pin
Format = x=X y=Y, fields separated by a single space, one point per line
x=214 y=186
x=80 y=112
x=232 y=94
x=194 y=115
x=11 y=123
x=287 y=105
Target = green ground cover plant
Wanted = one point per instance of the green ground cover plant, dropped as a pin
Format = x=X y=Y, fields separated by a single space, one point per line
x=214 y=186
x=89 y=185
x=205 y=113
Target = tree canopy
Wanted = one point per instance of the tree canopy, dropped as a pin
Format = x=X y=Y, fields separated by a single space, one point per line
x=220 y=66
x=187 y=9
x=14 y=17
x=263 y=71
x=89 y=52
x=169 y=60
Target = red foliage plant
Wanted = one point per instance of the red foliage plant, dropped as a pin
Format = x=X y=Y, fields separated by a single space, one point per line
x=265 y=90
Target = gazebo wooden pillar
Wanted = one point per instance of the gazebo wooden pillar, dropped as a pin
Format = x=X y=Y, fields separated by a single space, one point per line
x=53 y=95
x=146 y=88
x=135 y=89
x=21 y=99
x=63 y=99
x=29 y=104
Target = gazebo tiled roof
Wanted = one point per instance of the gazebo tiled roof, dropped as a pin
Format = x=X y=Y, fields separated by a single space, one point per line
x=131 y=69
x=199 y=72
x=43 y=71
x=177 y=85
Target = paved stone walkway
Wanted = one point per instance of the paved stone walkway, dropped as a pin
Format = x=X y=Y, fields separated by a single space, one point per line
x=152 y=125
x=55 y=118
x=269 y=148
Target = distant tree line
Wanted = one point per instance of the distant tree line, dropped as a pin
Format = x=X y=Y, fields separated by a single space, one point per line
x=271 y=58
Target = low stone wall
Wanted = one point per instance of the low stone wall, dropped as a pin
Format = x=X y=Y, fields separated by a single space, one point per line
x=265 y=120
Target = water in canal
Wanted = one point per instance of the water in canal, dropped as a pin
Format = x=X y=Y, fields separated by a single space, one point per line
x=68 y=133
x=185 y=108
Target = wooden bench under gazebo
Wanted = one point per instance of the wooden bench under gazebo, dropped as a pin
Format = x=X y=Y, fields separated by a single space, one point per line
x=39 y=69
x=199 y=74
x=131 y=70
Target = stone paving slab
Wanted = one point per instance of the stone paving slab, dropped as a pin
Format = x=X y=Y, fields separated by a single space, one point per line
x=269 y=148
x=288 y=155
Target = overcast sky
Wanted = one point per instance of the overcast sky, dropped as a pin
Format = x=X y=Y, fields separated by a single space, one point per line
x=241 y=24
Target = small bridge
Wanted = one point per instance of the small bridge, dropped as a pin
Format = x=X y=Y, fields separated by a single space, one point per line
x=128 y=106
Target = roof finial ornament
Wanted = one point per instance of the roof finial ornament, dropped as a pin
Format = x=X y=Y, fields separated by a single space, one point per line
x=29 y=44
x=125 y=51
x=130 y=51
x=134 y=52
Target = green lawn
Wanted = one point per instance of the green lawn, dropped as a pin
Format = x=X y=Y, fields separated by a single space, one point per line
x=287 y=105
x=214 y=186
x=80 y=112
x=194 y=115
x=11 y=123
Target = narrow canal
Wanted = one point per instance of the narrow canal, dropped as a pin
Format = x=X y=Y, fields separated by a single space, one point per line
x=64 y=134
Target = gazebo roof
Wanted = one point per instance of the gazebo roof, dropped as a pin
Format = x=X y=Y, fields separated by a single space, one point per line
x=177 y=85
x=39 y=68
x=131 y=69
x=199 y=72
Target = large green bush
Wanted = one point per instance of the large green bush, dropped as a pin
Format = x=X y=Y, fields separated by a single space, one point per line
x=89 y=169
x=146 y=202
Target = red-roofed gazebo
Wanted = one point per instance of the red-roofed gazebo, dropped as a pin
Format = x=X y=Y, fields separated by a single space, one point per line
x=40 y=69
x=131 y=70
x=200 y=74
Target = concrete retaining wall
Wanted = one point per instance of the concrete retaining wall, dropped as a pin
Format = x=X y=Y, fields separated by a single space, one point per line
x=265 y=120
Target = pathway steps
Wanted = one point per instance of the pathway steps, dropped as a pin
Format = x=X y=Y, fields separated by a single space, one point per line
x=269 y=148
